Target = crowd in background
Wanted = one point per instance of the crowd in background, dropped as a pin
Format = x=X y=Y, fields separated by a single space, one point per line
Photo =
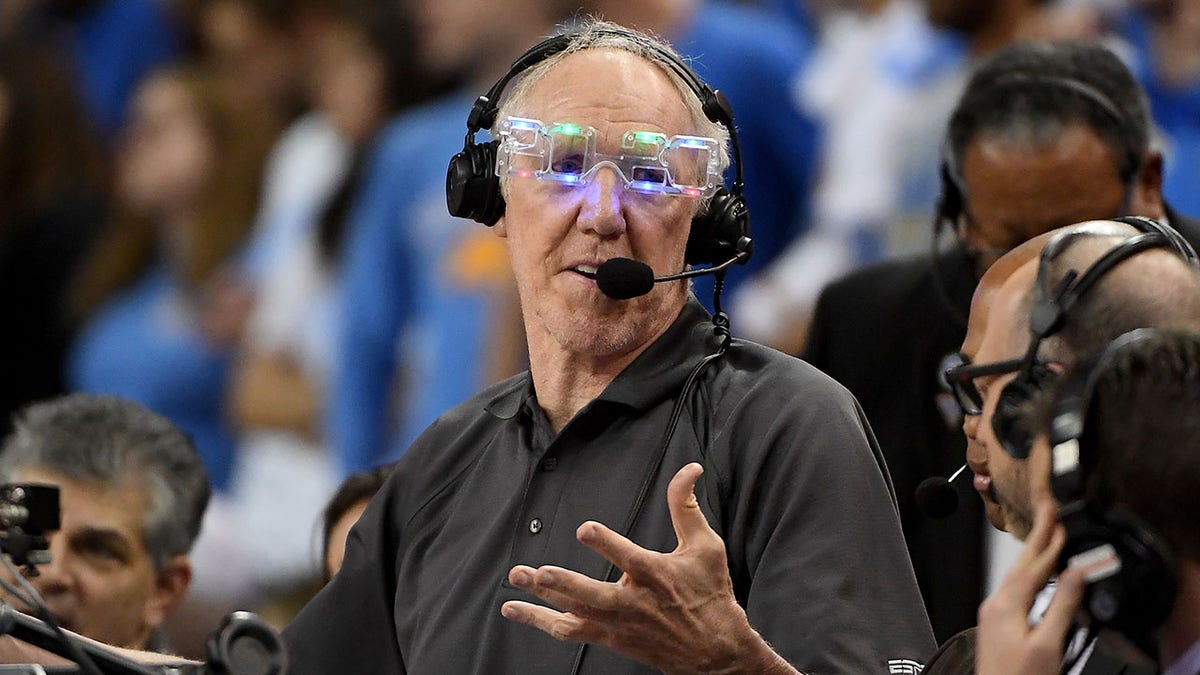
x=232 y=211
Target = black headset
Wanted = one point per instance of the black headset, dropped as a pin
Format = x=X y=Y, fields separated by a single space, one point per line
x=1139 y=596
x=720 y=230
x=1051 y=308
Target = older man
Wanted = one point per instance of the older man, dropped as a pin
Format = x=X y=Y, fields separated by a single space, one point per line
x=620 y=394
x=132 y=495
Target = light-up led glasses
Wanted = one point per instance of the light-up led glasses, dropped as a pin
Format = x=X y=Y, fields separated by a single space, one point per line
x=650 y=162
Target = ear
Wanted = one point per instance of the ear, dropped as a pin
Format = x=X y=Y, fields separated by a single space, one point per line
x=501 y=228
x=1147 y=198
x=169 y=588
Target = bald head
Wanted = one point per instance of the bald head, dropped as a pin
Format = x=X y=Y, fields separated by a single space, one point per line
x=1025 y=253
x=1151 y=288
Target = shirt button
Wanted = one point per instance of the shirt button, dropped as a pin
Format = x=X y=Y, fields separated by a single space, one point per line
x=549 y=464
x=535 y=526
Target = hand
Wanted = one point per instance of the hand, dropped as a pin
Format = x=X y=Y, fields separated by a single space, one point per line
x=1006 y=643
x=674 y=611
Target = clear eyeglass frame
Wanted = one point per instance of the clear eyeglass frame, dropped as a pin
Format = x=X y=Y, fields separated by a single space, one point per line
x=649 y=162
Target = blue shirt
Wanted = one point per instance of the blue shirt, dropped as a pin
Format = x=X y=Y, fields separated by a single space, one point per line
x=417 y=292
x=1175 y=109
x=754 y=59
x=144 y=345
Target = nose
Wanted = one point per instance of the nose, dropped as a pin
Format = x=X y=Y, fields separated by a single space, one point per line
x=970 y=426
x=601 y=211
x=54 y=578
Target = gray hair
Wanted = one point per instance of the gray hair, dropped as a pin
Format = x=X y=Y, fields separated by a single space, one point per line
x=105 y=439
x=597 y=34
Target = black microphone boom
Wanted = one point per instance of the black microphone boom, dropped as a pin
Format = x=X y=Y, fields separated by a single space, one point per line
x=625 y=278
x=936 y=497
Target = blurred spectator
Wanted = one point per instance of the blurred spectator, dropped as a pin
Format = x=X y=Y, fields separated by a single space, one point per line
x=254 y=45
x=429 y=307
x=1165 y=39
x=753 y=58
x=114 y=44
x=882 y=84
x=360 y=71
x=343 y=511
x=52 y=184
x=159 y=308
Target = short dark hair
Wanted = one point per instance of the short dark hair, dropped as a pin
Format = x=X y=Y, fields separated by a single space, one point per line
x=105 y=439
x=1035 y=89
x=1143 y=433
x=358 y=487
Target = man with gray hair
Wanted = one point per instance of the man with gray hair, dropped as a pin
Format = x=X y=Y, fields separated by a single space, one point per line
x=133 y=492
x=607 y=151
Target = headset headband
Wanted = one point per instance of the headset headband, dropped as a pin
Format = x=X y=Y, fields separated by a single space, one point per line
x=714 y=104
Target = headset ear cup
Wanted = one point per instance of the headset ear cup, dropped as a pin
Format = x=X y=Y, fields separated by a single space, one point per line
x=1008 y=419
x=720 y=232
x=472 y=187
x=1139 y=595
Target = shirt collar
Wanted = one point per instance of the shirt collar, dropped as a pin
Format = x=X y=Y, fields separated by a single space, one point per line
x=655 y=374
x=660 y=370
x=507 y=403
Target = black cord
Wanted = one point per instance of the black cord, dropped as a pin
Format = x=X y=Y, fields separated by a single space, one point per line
x=74 y=652
x=938 y=274
x=721 y=328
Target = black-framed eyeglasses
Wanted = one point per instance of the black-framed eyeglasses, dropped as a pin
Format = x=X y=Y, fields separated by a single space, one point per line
x=961 y=380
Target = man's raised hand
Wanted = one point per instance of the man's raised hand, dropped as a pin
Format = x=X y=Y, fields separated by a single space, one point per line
x=675 y=611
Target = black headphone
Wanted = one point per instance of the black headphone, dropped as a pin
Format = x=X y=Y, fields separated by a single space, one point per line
x=952 y=200
x=1050 y=310
x=1139 y=596
x=720 y=231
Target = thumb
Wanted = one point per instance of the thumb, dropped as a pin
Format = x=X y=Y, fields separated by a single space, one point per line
x=686 y=516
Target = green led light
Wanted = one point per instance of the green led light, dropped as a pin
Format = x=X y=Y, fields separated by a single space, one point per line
x=647 y=137
x=568 y=129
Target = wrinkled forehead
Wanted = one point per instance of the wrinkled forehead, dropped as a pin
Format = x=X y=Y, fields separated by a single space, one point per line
x=611 y=90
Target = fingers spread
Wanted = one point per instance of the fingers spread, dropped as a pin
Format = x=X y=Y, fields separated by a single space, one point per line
x=626 y=555
x=565 y=589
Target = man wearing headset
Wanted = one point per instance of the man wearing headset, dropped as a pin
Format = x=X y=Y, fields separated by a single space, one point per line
x=607 y=148
x=1130 y=414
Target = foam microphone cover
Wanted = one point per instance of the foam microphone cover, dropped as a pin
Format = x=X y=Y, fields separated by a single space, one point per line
x=624 y=278
x=936 y=497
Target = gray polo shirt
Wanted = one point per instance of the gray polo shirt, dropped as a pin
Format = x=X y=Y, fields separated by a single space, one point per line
x=793 y=482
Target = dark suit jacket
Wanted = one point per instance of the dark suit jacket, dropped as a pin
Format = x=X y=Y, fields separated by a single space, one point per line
x=884 y=333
